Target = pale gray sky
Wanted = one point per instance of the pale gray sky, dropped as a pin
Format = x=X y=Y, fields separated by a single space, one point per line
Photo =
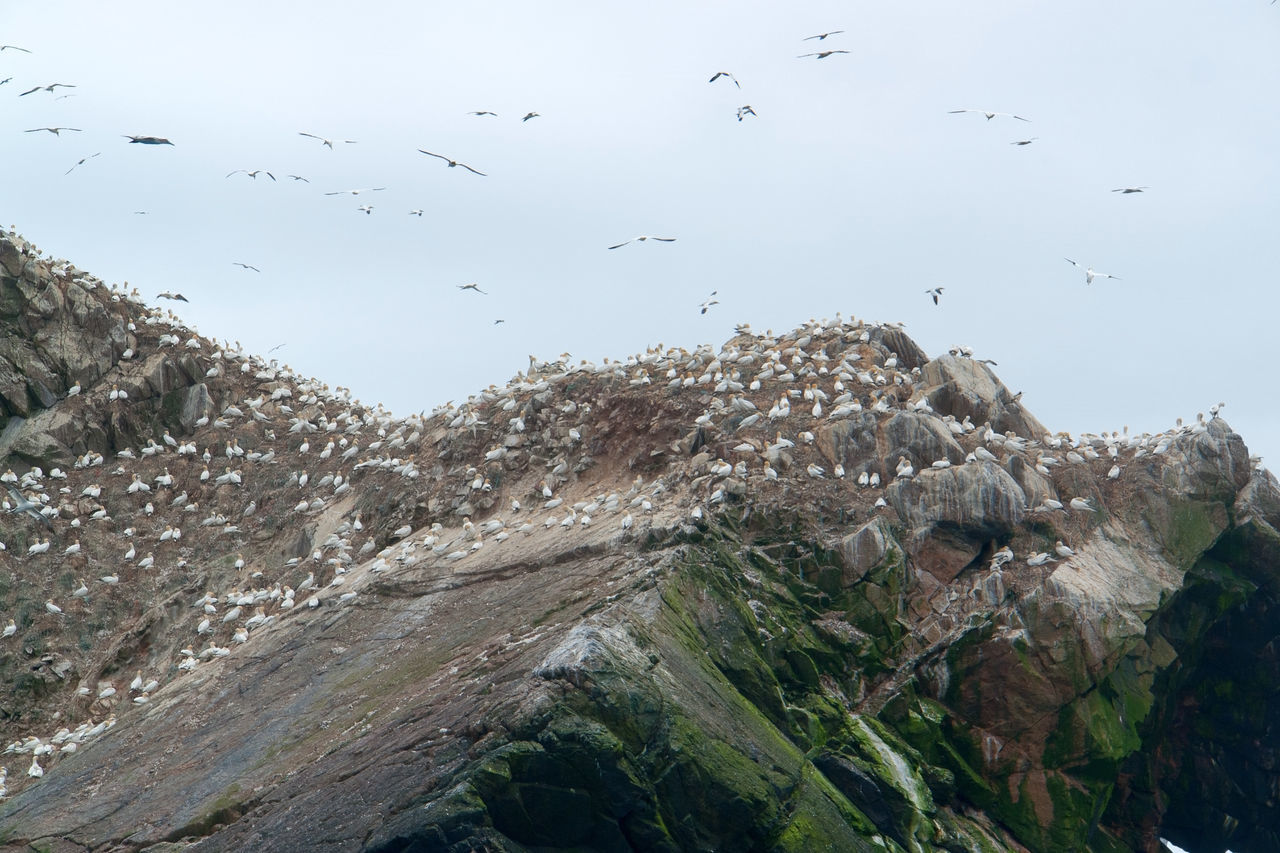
x=851 y=190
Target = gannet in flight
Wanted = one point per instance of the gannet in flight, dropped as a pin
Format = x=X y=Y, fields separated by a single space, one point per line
x=1025 y=141
x=745 y=111
x=530 y=115
x=451 y=163
x=644 y=237
x=483 y=113
x=56 y=131
x=25 y=506
x=357 y=192
x=48 y=88
x=80 y=162
x=416 y=212
x=175 y=296
x=990 y=115
x=365 y=209
x=328 y=142
x=1090 y=274
x=4 y=47
x=147 y=140
x=254 y=174
x=708 y=302
x=245 y=266
x=1127 y=190
x=821 y=36
x=720 y=74
x=473 y=286
x=299 y=178
x=821 y=54
x=935 y=293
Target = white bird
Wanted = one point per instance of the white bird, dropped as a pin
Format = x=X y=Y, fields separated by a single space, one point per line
x=643 y=238
x=1081 y=504
x=1062 y=549
x=328 y=142
x=990 y=115
x=1090 y=274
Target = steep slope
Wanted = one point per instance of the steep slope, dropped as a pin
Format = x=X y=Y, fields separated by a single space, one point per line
x=690 y=600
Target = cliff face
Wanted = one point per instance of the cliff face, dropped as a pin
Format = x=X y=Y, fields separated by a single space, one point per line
x=626 y=606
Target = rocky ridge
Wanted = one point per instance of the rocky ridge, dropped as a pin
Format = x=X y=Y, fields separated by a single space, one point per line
x=686 y=600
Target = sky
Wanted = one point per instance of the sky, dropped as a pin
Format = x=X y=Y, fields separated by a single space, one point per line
x=853 y=188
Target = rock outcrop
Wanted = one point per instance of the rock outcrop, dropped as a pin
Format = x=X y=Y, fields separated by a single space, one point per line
x=680 y=601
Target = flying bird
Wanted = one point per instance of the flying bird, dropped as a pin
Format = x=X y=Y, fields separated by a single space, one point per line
x=56 y=131
x=935 y=293
x=1025 y=141
x=1090 y=274
x=989 y=115
x=531 y=115
x=147 y=140
x=821 y=36
x=48 y=88
x=451 y=163
x=80 y=162
x=642 y=238
x=357 y=192
x=254 y=174
x=245 y=266
x=745 y=111
x=417 y=212
x=720 y=74
x=496 y=322
x=328 y=142
x=4 y=47
x=1127 y=190
x=482 y=113
x=21 y=504
x=174 y=296
x=708 y=302
x=365 y=209
x=821 y=54
x=6 y=80
x=473 y=286
x=299 y=178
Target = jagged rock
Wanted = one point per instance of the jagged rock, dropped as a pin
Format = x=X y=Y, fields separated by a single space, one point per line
x=865 y=549
x=921 y=438
x=964 y=387
x=979 y=498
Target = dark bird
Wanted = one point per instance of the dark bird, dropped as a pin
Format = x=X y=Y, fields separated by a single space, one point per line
x=357 y=192
x=989 y=115
x=254 y=174
x=4 y=47
x=80 y=162
x=1025 y=141
x=366 y=209
x=5 y=80
x=451 y=163
x=821 y=54
x=22 y=504
x=472 y=286
x=48 y=88
x=935 y=293
x=328 y=142
x=147 y=140
x=245 y=266
x=496 y=322
x=745 y=111
x=56 y=131
x=416 y=212
x=299 y=178
x=1127 y=190
x=177 y=297
x=645 y=237
x=482 y=113
x=720 y=74
x=708 y=302
x=530 y=115
x=821 y=36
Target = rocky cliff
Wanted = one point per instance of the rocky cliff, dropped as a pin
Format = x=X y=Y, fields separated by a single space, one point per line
x=807 y=591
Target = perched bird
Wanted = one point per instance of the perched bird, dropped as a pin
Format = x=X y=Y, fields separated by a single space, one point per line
x=821 y=54
x=822 y=36
x=327 y=142
x=254 y=174
x=472 y=286
x=148 y=140
x=451 y=163
x=1125 y=190
x=174 y=296
x=646 y=237
x=56 y=131
x=935 y=293
x=989 y=115
x=720 y=74
x=745 y=110
x=245 y=266
x=1089 y=273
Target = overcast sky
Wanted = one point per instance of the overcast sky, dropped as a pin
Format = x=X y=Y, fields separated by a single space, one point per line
x=853 y=189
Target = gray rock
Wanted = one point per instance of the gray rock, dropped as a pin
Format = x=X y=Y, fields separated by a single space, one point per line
x=979 y=497
x=865 y=548
x=965 y=387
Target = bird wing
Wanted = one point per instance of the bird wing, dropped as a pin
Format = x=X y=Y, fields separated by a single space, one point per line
x=29 y=91
x=229 y=174
x=664 y=239
x=312 y=135
x=1073 y=263
x=469 y=169
x=620 y=245
x=1020 y=118
x=437 y=156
